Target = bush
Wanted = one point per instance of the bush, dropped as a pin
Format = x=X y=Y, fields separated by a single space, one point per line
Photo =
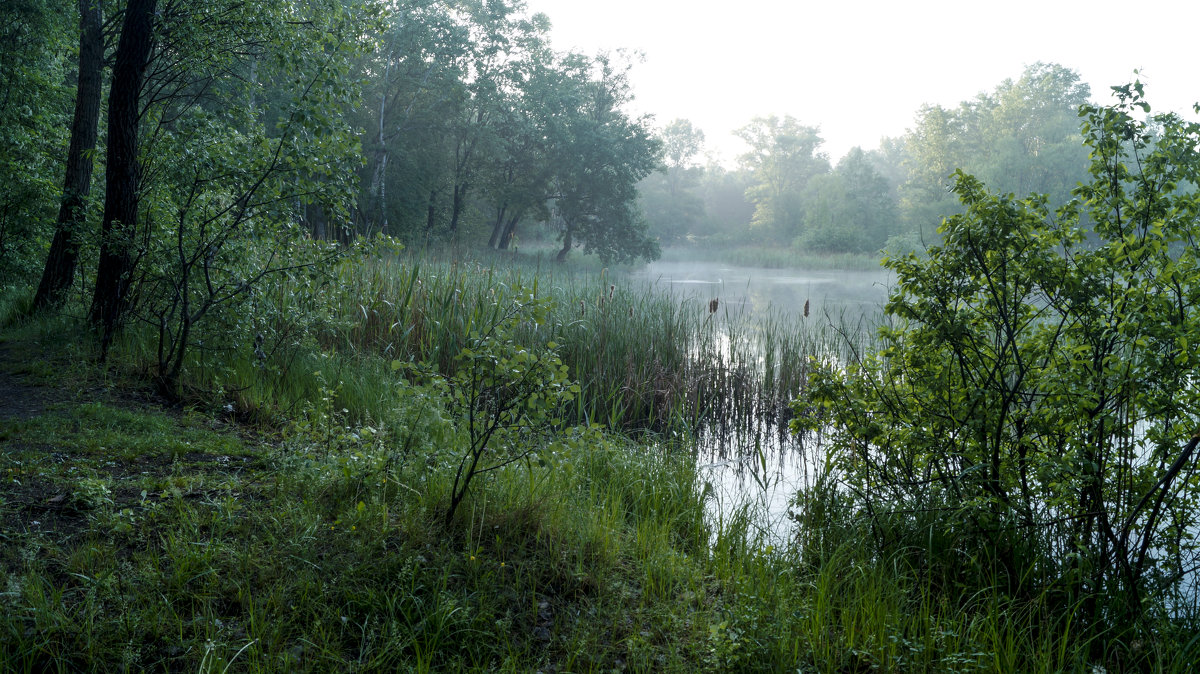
x=1030 y=421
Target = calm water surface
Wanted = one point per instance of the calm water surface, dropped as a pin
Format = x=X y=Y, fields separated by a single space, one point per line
x=832 y=294
x=764 y=470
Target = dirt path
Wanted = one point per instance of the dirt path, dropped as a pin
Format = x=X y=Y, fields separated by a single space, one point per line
x=20 y=398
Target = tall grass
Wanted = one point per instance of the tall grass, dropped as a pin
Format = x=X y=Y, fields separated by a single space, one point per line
x=185 y=549
x=215 y=553
x=644 y=360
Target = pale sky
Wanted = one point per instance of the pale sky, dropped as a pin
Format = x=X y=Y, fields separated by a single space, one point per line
x=860 y=69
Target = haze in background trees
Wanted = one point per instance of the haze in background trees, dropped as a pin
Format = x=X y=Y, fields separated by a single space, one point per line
x=1022 y=138
x=670 y=200
x=479 y=125
x=849 y=210
x=782 y=159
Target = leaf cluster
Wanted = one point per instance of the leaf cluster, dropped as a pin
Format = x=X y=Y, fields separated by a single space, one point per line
x=1031 y=416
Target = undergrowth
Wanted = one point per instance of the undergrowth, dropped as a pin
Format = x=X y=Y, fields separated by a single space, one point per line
x=144 y=537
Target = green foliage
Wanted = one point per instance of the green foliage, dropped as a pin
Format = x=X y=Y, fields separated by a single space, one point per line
x=605 y=155
x=849 y=210
x=672 y=208
x=475 y=126
x=727 y=212
x=1023 y=137
x=169 y=539
x=506 y=393
x=669 y=196
x=1030 y=419
x=37 y=42
x=235 y=175
x=783 y=157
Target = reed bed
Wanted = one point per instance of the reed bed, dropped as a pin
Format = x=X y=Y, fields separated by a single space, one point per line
x=645 y=361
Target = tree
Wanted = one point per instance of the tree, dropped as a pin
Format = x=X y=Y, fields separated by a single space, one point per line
x=1020 y=138
x=933 y=149
x=849 y=210
x=1034 y=134
x=668 y=196
x=36 y=50
x=418 y=63
x=1031 y=417
x=504 y=392
x=261 y=151
x=727 y=211
x=682 y=142
x=783 y=157
x=598 y=168
x=519 y=179
x=59 y=271
x=463 y=122
x=122 y=180
x=226 y=124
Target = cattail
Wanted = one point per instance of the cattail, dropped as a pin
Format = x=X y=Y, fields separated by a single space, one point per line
x=713 y=304
x=611 y=290
x=806 y=308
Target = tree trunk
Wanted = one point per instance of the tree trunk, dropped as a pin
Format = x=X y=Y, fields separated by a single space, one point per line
x=497 y=228
x=316 y=222
x=567 y=243
x=379 y=183
x=59 y=273
x=510 y=230
x=456 y=207
x=431 y=214
x=117 y=230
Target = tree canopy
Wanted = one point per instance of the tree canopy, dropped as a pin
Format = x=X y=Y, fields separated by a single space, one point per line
x=1021 y=137
x=477 y=125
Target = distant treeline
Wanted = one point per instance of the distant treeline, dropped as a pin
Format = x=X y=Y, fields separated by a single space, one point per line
x=1023 y=137
x=439 y=121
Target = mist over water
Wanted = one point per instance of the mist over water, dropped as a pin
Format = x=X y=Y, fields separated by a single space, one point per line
x=831 y=294
x=763 y=468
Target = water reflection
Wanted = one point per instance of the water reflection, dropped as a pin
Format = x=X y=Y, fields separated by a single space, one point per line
x=763 y=476
x=832 y=294
x=759 y=465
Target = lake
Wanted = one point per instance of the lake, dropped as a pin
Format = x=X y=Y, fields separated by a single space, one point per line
x=763 y=469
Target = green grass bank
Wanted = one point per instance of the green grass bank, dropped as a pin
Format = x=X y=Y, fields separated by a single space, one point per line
x=287 y=512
